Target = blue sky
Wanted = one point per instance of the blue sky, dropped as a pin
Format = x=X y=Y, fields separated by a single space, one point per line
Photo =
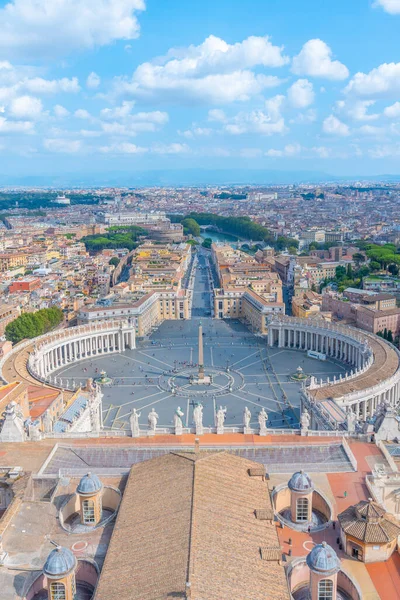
x=94 y=86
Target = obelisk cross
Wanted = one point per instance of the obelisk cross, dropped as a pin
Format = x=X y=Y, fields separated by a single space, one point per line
x=201 y=354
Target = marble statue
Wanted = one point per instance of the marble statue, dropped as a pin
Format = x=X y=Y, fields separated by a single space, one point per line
x=198 y=418
x=152 y=420
x=134 y=422
x=351 y=420
x=304 y=422
x=220 y=419
x=262 y=421
x=178 y=424
x=246 y=418
x=47 y=422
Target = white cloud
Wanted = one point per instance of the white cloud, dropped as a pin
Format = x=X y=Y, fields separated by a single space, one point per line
x=62 y=145
x=132 y=124
x=214 y=71
x=196 y=132
x=15 y=126
x=357 y=110
x=123 y=148
x=60 y=111
x=333 y=126
x=93 y=81
x=393 y=111
x=288 y=150
x=301 y=93
x=315 y=60
x=321 y=151
x=381 y=81
x=58 y=27
x=266 y=122
x=38 y=85
x=390 y=6
x=372 y=131
x=119 y=112
x=309 y=116
x=386 y=151
x=216 y=114
x=82 y=113
x=174 y=148
x=26 y=107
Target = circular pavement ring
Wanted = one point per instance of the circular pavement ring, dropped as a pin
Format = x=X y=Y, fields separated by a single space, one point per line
x=234 y=382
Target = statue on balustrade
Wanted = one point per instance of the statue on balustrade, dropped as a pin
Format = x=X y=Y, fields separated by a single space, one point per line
x=262 y=420
x=134 y=422
x=305 y=420
x=351 y=420
x=246 y=418
x=220 y=419
x=152 y=419
x=178 y=424
x=198 y=418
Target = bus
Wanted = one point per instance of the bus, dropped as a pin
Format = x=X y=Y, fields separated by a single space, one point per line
x=317 y=355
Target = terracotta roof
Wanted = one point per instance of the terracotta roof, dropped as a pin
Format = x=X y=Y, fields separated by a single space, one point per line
x=368 y=522
x=190 y=518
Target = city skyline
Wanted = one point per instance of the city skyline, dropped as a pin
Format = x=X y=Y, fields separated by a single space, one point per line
x=131 y=87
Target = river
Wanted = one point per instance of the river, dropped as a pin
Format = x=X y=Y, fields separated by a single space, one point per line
x=216 y=236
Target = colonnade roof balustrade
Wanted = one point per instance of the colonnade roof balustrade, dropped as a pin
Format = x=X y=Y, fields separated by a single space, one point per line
x=14 y=366
x=385 y=366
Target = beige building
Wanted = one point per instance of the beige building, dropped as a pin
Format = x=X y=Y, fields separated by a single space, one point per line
x=148 y=311
x=248 y=291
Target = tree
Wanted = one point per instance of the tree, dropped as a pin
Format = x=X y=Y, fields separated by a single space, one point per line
x=207 y=243
x=114 y=261
x=358 y=258
x=340 y=272
x=374 y=266
x=30 y=325
x=191 y=226
x=349 y=271
x=389 y=336
x=393 y=269
x=385 y=333
x=292 y=250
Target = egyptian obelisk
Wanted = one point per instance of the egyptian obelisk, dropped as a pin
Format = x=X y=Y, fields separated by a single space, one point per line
x=201 y=355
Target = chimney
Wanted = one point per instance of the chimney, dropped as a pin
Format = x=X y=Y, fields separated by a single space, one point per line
x=188 y=590
x=197 y=445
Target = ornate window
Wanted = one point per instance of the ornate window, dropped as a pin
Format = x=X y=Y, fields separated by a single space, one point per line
x=57 y=591
x=302 y=509
x=325 y=589
x=88 y=512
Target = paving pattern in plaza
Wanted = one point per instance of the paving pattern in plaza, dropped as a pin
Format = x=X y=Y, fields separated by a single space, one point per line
x=325 y=458
x=246 y=372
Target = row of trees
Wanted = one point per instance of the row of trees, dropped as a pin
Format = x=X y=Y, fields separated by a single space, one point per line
x=116 y=237
x=241 y=227
x=386 y=334
x=30 y=325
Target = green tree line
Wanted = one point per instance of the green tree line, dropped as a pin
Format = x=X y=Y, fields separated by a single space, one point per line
x=242 y=227
x=30 y=325
x=116 y=237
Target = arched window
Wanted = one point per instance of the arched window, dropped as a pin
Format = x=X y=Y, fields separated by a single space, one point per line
x=325 y=589
x=57 y=591
x=302 y=509
x=88 y=512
